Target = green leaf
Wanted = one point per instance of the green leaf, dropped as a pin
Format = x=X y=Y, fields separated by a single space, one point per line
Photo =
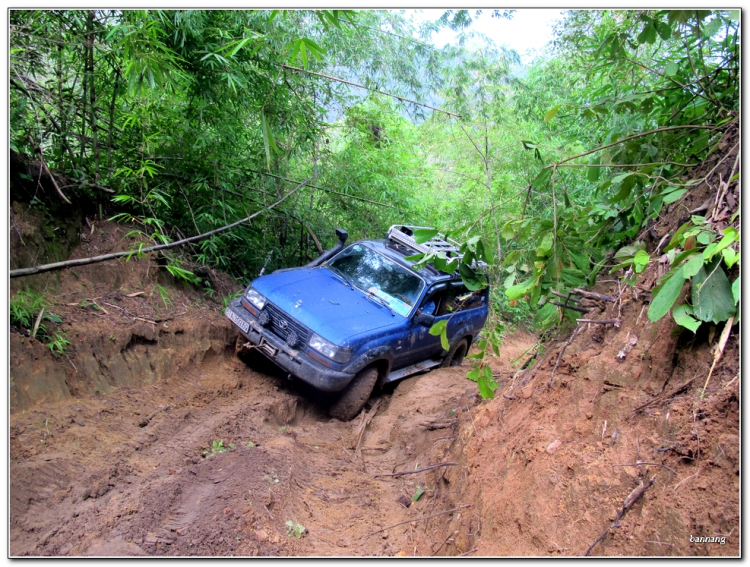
x=640 y=261
x=625 y=252
x=648 y=35
x=683 y=315
x=666 y=296
x=730 y=257
x=542 y=179
x=439 y=327
x=547 y=317
x=712 y=294
x=473 y=375
x=486 y=383
x=417 y=495
x=736 y=289
x=552 y=112
x=508 y=283
x=520 y=289
x=593 y=172
x=693 y=266
x=422 y=235
x=444 y=340
x=472 y=280
x=545 y=246
x=674 y=196
x=671 y=69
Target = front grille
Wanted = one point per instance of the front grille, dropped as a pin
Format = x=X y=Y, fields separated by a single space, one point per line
x=278 y=318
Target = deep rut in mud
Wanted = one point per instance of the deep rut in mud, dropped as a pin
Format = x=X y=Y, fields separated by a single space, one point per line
x=226 y=460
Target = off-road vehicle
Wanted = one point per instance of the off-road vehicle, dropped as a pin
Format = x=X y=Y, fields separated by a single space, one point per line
x=359 y=315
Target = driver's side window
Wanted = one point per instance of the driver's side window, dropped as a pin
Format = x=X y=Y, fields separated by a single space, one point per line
x=431 y=303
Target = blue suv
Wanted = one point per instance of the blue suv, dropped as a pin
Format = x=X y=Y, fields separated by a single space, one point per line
x=359 y=315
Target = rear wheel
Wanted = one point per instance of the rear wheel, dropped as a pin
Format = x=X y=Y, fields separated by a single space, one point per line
x=355 y=395
x=456 y=355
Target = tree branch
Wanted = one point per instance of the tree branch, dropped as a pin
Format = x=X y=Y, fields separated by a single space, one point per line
x=96 y=259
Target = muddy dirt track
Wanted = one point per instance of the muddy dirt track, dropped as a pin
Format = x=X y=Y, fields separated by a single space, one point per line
x=151 y=437
x=219 y=461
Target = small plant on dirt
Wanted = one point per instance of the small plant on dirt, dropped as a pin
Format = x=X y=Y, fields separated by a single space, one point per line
x=24 y=308
x=232 y=446
x=216 y=447
x=163 y=295
x=58 y=344
x=294 y=529
x=250 y=444
x=112 y=338
x=282 y=429
x=228 y=298
x=418 y=494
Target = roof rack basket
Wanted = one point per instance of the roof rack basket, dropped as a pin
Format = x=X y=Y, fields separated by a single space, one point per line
x=404 y=234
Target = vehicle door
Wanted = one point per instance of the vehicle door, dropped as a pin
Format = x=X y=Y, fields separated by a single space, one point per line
x=417 y=343
x=464 y=309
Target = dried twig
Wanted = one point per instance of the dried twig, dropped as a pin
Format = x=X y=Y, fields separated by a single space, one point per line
x=626 y=505
x=719 y=350
x=615 y=322
x=420 y=519
x=669 y=396
x=35 y=328
x=365 y=421
x=467 y=552
x=401 y=473
x=562 y=351
x=572 y=307
x=641 y=463
x=432 y=425
x=592 y=295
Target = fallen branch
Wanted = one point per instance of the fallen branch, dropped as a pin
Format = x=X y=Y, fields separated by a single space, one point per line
x=96 y=259
x=615 y=322
x=719 y=350
x=401 y=473
x=627 y=505
x=669 y=396
x=592 y=295
x=432 y=425
x=420 y=519
x=573 y=307
x=562 y=351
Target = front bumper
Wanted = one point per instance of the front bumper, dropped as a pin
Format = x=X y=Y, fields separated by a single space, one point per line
x=296 y=362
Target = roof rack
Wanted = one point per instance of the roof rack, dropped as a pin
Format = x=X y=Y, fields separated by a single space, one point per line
x=404 y=234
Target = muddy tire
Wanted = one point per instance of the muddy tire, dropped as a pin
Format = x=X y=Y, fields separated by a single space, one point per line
x=456 y=354
x=355 y=395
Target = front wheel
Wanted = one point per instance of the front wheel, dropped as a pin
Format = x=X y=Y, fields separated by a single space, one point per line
x=456 y=355
x=355 y=395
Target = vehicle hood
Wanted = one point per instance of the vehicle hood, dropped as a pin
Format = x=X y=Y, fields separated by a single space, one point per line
x=324 y=303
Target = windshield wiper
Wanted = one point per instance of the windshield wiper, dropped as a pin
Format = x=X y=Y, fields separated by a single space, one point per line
x=341 y=275
x=381 y=301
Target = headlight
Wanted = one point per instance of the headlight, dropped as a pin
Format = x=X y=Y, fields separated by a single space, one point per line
x=255 y=298
x=327 y=348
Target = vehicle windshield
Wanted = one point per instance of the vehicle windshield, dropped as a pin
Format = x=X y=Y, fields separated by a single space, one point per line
x=374 y=273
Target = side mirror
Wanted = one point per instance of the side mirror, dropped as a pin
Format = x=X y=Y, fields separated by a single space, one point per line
x=424 y=319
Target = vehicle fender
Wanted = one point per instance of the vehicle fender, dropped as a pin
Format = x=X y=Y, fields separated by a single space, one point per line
x=462 y=332
x=379 y=353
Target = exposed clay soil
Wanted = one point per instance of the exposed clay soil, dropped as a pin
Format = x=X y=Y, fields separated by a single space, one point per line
x=152 y=437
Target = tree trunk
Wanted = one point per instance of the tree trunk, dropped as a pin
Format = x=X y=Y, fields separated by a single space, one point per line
x=92 y=91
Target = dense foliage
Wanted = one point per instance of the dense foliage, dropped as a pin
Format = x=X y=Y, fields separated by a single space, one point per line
x=552 y=174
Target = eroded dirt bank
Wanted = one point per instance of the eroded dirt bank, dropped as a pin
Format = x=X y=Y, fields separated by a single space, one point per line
x=151 y=437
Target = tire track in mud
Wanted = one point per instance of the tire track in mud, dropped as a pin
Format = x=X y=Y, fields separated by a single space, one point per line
x=230 y=462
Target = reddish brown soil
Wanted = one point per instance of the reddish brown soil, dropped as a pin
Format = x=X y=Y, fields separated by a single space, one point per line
x=116 y=449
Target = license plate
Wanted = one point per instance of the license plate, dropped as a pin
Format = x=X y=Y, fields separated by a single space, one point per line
x=237 y=320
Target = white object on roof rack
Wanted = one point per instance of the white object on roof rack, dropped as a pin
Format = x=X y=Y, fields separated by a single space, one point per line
x=439 y=243
x=404 y=234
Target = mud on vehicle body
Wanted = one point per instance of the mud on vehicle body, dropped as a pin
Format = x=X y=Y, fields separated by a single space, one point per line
x=359 y=315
